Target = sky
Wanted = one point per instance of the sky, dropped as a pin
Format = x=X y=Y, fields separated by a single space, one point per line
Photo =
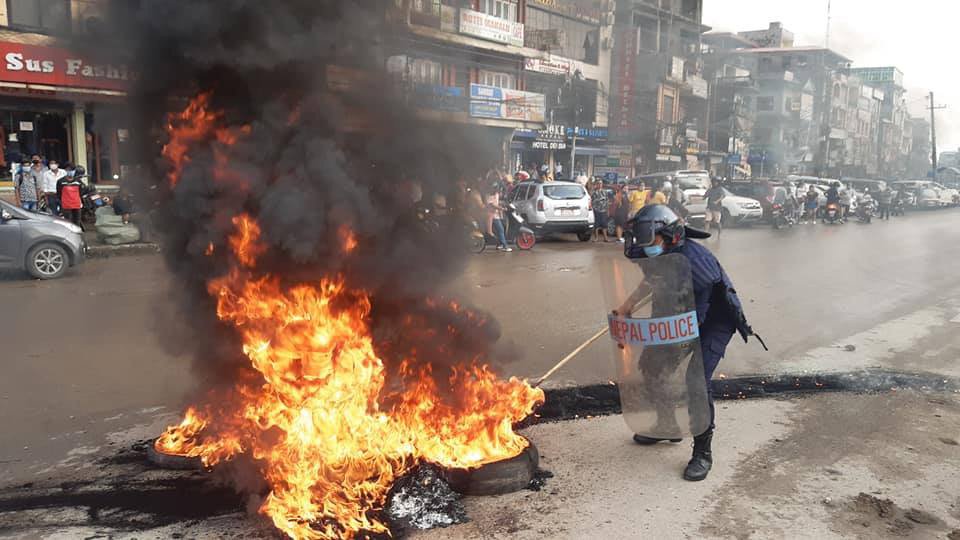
x=919 y=40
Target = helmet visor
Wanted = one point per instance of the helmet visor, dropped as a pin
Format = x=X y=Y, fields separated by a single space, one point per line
x=644 y=233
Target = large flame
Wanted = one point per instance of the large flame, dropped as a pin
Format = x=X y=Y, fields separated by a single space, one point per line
x=329 y=438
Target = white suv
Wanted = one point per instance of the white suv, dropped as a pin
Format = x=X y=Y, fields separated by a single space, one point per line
x=555 y=207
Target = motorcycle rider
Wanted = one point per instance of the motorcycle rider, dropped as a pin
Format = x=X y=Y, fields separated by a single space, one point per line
x=657 y=230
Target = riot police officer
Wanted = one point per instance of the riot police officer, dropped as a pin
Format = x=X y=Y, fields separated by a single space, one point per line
x=656 y=231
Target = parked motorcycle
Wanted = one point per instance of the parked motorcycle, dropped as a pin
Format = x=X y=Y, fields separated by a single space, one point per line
x=899 y=208
x=865 y=211
x=781 y=218
x=91 y=201
x=831 y=214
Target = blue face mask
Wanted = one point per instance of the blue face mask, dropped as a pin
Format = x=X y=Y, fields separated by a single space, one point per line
x=653 y=251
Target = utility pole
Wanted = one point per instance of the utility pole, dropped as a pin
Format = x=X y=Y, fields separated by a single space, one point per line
x=828 y=25
x=933 y=132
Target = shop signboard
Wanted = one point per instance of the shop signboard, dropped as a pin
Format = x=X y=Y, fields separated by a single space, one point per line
x=552 y=65
x=486 y=109
x=441 y=98
x=623 y=101
x=481 y=25
x=53 y=66
x=508 y=104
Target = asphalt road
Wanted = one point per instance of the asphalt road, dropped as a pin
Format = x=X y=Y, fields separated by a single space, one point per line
x=80 y=358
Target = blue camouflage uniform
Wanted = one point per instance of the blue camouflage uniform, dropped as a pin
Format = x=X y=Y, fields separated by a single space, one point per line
x=719 y=310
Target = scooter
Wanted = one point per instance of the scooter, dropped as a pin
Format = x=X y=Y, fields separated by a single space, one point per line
x=831 y=214
x=517 y=232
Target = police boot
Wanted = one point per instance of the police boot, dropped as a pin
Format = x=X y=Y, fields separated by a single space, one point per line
x=647 y=441
x=702 y=459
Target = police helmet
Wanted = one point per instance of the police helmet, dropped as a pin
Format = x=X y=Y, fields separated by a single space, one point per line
x=652 y=220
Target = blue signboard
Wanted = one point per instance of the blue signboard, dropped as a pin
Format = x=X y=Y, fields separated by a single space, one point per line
x=610 y=176
x=588 y=133
x=444 y=98
x=486 y=109
x=483 y=91
x=734 y=159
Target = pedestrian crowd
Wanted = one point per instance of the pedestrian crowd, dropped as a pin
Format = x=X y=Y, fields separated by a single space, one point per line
x=43 y=186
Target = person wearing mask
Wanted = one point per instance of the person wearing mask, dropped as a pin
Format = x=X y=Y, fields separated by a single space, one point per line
x=495 y=218
x=637 y=197
x=810 y=205
x=68 y=193
x=51 y=176
x=714 y=213
x=27 y=191
x=656 y=232
x=601 y=209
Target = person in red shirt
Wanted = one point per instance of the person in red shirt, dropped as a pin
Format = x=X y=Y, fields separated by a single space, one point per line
x=69 y=193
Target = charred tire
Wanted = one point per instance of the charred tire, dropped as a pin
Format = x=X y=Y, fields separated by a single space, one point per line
x=496 y=478
x=171 y=461
x=47 y=261
x=584 y=236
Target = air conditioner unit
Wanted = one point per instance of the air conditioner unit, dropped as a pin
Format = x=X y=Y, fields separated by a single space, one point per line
x=90 y=18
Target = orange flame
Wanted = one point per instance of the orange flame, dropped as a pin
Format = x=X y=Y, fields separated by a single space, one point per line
x=329 y=438
x=192 y=124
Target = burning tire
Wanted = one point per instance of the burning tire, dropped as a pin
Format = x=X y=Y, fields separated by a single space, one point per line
x=172 y=461
x=526 y=240
x=496 y=478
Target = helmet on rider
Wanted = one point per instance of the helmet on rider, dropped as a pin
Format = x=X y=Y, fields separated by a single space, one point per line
x=652 y=221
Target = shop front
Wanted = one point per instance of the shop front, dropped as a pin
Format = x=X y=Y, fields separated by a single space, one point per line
x=556 y=145
x=65 y=106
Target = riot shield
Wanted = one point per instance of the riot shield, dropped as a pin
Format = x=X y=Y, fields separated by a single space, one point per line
x=655 y=337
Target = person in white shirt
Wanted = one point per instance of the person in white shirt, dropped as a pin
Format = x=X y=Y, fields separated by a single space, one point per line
x=50 y=178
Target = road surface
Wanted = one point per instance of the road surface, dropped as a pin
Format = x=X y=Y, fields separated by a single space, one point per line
x=81 y=359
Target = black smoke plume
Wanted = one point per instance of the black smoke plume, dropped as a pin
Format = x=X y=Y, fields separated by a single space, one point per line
x=329 y=141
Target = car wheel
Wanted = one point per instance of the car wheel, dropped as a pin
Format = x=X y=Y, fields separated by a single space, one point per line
x=584 y=236
x=47 y=261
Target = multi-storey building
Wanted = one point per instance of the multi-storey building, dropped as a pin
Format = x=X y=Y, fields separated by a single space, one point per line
x=61 y=95
x=659 y=105
x=529 y=74
x=795 y=105
x=892 y=152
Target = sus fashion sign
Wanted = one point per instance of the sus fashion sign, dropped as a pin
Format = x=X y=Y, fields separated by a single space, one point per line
x=34 y=64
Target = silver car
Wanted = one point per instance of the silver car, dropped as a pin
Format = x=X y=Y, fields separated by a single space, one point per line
x=555 y=207
x=44 y=246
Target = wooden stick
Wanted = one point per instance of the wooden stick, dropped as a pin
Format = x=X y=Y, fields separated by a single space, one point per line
x=570 y=356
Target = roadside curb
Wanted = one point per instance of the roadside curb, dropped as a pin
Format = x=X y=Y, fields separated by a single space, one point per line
x=567 y=403
x=106 y=251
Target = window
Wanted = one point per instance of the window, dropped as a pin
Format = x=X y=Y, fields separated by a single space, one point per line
x=427 y=6
x=504 y=9
x=40 y=15
x=666 y=111
x=764 y=103
x=566 y=193
x=648 y=33
x=425 y=71
x=497 y=78
x=579 y=39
